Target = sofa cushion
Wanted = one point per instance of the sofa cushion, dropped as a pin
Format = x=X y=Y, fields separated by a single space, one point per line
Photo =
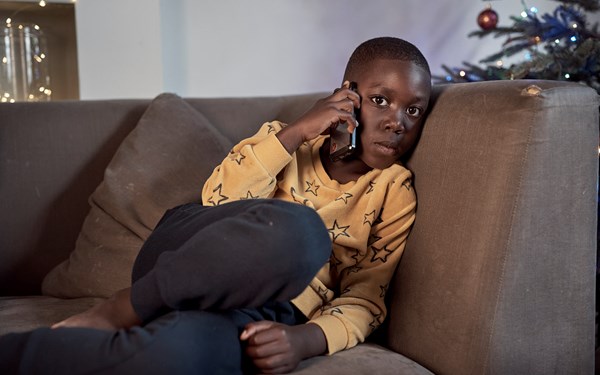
x=22 y=314
x=363 y=359
x=162 y=163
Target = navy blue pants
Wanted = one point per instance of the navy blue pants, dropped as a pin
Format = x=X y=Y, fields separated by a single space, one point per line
x=203 y=274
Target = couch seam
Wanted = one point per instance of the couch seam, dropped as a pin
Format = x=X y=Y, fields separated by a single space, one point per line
x=509 y=240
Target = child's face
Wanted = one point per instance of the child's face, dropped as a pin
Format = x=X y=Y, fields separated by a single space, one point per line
x=394 y=98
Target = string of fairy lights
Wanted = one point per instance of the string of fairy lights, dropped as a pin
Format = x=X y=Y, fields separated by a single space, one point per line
x=488 y=20
x=24 y=65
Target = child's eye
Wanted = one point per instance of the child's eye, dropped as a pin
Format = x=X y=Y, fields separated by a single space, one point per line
x=414 y=111
x=379 y=100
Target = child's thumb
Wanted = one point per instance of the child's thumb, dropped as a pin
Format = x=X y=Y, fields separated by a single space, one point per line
x=253 y=328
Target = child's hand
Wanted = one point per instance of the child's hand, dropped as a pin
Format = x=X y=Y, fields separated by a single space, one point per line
x=277 y=348
x=327 y=112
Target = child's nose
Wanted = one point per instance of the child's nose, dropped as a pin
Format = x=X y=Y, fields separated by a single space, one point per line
x=395 y=125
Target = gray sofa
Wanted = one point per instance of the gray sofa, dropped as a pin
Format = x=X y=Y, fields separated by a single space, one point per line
x=498 y=276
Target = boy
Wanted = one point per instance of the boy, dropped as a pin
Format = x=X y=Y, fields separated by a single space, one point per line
x=237 y=268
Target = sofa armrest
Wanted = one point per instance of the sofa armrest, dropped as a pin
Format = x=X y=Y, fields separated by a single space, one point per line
x=498 y=274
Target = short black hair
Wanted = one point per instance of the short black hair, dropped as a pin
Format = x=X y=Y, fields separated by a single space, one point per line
x=389 y=48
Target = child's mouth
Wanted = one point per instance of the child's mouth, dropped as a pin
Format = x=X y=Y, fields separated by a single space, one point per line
x=387 y=148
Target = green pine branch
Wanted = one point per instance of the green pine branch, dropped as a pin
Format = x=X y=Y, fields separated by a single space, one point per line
x=587 y=5
x=557 y=50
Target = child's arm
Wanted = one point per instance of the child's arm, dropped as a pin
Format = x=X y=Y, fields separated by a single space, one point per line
x=251 y=168
x=278 y=348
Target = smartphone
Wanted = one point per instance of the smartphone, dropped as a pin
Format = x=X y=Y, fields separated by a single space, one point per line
x=341 y=143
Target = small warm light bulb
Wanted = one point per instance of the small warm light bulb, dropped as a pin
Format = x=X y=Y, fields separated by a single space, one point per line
x=567 y=76
x=43 y=55
x=42 y=89
x=8 y=21
x=462 y=73
x=42 y=3
x=524 y=14
x=36 y=27
x=499 y=63
x=4 y=60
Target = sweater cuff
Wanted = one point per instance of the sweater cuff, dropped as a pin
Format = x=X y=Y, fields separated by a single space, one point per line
x=272 y=155
x=334 y=331
x=146 y=299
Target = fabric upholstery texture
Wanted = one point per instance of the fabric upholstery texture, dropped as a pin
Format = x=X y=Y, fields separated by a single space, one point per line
x=365 y=359
x=162 y=163
x=27 y=313
x=499 y=231
x=52 y=157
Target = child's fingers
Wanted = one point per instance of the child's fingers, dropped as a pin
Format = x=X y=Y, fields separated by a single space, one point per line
x=345 y=94
x=253 y=328
x=352 y=125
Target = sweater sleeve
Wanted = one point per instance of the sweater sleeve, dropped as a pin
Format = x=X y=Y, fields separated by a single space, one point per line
x=349 y=318
x=250 y=170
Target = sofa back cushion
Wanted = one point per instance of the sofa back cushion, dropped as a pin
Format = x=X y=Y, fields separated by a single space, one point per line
x=52 y=157
x=160 y=164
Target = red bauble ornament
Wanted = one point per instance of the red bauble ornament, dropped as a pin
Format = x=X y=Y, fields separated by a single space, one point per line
x=487 y=19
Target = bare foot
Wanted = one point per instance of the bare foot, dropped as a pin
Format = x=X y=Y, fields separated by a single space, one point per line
x=113 y=314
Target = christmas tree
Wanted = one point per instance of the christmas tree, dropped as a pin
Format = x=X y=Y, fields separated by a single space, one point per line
x=559 y=46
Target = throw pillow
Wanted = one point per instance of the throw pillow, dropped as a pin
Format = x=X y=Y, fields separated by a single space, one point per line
x=161 y=164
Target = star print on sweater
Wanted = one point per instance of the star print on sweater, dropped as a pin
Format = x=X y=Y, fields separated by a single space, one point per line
x=325 y=293
x=372 y=239
x=344 y=197
x=312 y=187
x=217 y=199
x=369 y=218
x=297 y=198
x=336 y=230
x=328 y=309
x=237 y=157
x=271 y=128
x=353 y=269
x=376 y=322
x=384 y=289
x=248 y=196
x=381 y=254
x=356 y=255
x=334 y=261
x=371 y=187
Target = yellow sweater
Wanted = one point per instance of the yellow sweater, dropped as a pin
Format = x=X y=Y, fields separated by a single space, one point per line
x=368 y=221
